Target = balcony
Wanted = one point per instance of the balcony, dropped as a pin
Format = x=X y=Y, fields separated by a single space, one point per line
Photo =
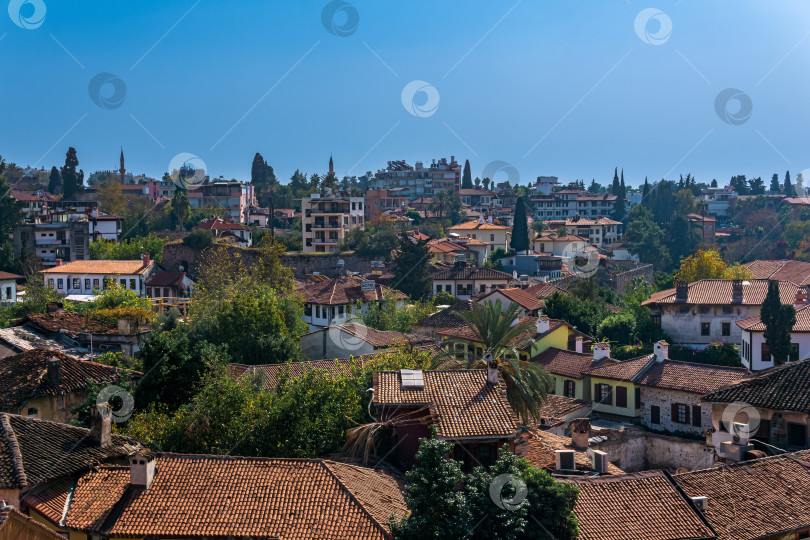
x=333 y=225
x=326 y=240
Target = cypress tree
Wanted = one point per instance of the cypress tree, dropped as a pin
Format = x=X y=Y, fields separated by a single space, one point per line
x=466 y=178
x=779 y=320
x=72 y=181
x=775 y=183
x=520 y=228
x=789 y=191
x=55 y=182
x=615 y=187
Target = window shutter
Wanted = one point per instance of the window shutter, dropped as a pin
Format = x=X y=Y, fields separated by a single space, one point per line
x=597 y=393
x=674 y=412
x=686 y=412
x=697 y=417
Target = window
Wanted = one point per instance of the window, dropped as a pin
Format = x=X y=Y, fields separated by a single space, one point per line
x=32 y=411
x=132 y=285
x=680 y=413
x=438 y=289
x=704 y=309
x=765 y=353
x=569 y=388
x=621 y=396
x=448 y=288
x=485 y=455
x=796 y=434
x=483 y=288
x=638 y=397
x=491 y=237
x=655 y=414
x=727 y=310
x=793 y=355
x=705 y=328
x=696 y=416
x=77 y=283
x=50 y=284
x=87 y=284
x=603 y=394
x=60 y=283
x=656 y=319
x=725 y=329
x=124 y=283
x=95 y=284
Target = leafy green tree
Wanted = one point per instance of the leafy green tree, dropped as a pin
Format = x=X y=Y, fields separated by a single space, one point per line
x=714 y=183
x=466 y=178
x=370 y=242
x=10 y=219
x=411 y=268
x=199 y=239
x=594 y=187
x=55 y=182
x=617 y=328
x=437 y=510
x=550 y=505
x=180 y=207
x=585 y=315
x=497 y=521
x=779 y=320
x=520 y=229
x=757 y=186
x=72 y=181
x=646 y=237
x=128 y=250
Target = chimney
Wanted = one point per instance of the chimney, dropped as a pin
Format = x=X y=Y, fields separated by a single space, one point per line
x=481 y=220
x=580 y=432
x=146 y=260
x=801 y=299
x=736 y=291
x=54 y=369
x=578 y=344
x=600 y=351
x=681 y=291
x=661 y=350
x=543 y=324
x=101 y=425
x=141 y=470
x=58 y=262
x=492 y=369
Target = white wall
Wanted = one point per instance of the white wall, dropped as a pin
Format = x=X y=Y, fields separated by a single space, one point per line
x=8 y=291
x=756 y=339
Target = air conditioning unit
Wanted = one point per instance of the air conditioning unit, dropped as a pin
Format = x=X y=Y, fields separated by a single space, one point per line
x=565 y=460
x=740 y=433
x=734 y=452
x=702 y=503
x=599 y=460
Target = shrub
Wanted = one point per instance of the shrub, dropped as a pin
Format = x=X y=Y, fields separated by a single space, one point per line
x=199 y=239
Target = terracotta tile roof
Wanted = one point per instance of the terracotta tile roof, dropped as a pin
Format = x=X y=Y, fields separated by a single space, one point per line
x=566 y=363
x=556 y=406
x=25 y=376
x=376 y=338
x=447 y=318
x=625 y=370
x=718 y=292
x=522 y=297
x=690 y=377
x=35 y=451
x=198 y=496
x=476 y=225
x=165 y=279
x=755 y=498
x=99 y=267
x=461 y=402
x=6 y=275
x=797 y=272
x=567 y=238
x=445 y=246
x=31 y=196
x=467 y=333
x=782 y=388
x=542 y=291
x=466 y=273
x=539 y=448
x=755 y=324
x=581 y=222
x=219 y=224
x=21 y=524
x=70 y=321
x=641 y=506
x=698 y=217
x=343 y=291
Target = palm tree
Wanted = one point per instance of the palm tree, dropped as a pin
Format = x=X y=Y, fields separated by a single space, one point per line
x=501 y=333
x=438 y=203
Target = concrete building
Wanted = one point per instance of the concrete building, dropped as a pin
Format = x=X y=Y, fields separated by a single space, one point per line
x=325 y=220
x=418 y=180
x=498 y=236
x=464 y=282
x=380 y=200
x=52 y=242
x=718 y=200
x=235 y=197
x=90 y=277
x=754 y=352
x=600 y=231
x=567 y=203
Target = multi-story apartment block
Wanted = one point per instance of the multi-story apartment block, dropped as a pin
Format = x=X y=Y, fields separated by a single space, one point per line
x=49 y=242
x=325 y=220
x=718 y=200
x=600 y=231
x=235 y=197
x=380 y=200
x=418 y=180
x=567 y=203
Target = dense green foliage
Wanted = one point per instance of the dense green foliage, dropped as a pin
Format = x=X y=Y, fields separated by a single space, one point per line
x=520 y=229
x=199 y=239
x=411 y=268
x=779 y=320
x=128 y=250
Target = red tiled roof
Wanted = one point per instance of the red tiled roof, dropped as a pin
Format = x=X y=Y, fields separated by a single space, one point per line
x=166 y=279
x=6 y=275
x=198 y=496
x=755 y=498
x=375 y=338
x=344 y=290
x=217 y=223
x=71 y=322
x=539 y=448
x=461 y=402
x=566 y=363
x=555 y=406
x=522 y=297
x=25 y=376
x=476 y=225
x=641 y=506
x=99 y=267
x=755 y=324
x=468 y=333
x=31 y=196
x=690 y=377
x=23 y=525
x=469 y=273
x=718 y=292
x=797 y=272
x=625 y=370
x=542 y=291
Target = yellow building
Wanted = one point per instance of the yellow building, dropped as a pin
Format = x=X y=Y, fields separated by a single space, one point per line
x=613 y=386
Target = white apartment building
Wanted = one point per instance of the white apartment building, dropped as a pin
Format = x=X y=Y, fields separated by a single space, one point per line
x=599 y=231
x=567 y=203
x=91 y=277
x=718 y=200
x=418 y=180
x=325 y=220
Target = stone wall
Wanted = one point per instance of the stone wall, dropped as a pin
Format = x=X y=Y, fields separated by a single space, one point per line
x=664 y=399
x=178 y=254
x=632 y=450
x=617 y=282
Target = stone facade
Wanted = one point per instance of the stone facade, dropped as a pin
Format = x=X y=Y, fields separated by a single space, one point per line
x=663 y=399
x=633 y=450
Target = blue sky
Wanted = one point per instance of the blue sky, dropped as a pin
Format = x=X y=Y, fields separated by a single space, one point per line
x=552 y=88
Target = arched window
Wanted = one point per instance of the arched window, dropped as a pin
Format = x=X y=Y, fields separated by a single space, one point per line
x=32 y=411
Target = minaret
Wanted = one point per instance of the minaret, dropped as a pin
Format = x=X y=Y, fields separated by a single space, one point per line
x=122 y=171
x=331 y=166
